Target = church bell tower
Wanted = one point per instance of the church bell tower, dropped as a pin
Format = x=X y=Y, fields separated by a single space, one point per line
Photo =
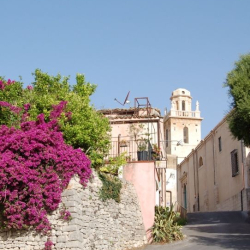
x=182 y=125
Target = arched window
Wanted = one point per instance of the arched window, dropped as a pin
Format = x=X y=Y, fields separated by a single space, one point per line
x=177 y=105
x=183 y=106
x=200 y=162
x=185 y=135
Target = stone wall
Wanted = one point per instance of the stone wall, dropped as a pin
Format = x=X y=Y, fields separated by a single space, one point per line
x=238 y=202
x=231 y=204
x=96 y=225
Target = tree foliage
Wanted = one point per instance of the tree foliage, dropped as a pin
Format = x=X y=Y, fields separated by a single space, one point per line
x=112 y=164
x=87 y=129
x=238 y=81
x=11 y=93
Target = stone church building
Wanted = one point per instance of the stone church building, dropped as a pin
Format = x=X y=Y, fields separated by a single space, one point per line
x=214 y=176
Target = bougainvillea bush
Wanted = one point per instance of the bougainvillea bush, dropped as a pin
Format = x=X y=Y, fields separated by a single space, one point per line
x=87 y=129
x=35 y=167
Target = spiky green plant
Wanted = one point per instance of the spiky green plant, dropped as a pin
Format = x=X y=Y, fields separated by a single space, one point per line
x=165 y=228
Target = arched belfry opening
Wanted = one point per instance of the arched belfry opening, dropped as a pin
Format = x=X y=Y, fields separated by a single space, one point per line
x=183 y=105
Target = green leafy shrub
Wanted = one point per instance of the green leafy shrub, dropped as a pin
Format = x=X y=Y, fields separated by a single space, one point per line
x=111 y=187
x=165 y=228
x=82 y=126
x=113 y=164
x=181 y=221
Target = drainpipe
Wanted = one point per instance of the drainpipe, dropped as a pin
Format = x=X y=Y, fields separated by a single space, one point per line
x=158 y=132
x=244 y=181
x=164 y=186
x=195 y=191
x=119 y=139
x=214 y=158
x=243 y=157
x=170 y=197
x=196 y=179
x=197 y=176
x=241 y=200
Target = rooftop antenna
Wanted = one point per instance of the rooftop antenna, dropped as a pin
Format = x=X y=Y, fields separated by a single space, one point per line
x=126 y=101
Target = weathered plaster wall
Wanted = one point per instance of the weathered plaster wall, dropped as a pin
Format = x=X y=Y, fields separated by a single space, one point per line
x=96 y=225
x=142 y=175
x=207 y=174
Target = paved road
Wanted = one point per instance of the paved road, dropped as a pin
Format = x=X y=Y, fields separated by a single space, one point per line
x=207 y=231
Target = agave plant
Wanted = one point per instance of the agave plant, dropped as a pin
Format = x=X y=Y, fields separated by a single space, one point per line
x=165 y=228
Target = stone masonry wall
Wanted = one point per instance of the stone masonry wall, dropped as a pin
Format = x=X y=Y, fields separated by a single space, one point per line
x=96 y=225
x=231 y=204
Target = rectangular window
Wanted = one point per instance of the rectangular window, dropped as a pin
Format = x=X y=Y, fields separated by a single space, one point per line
x=219 y=140
x=234 y=162
x=185 y=135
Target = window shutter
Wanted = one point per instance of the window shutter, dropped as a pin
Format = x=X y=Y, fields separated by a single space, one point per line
x=234 y=162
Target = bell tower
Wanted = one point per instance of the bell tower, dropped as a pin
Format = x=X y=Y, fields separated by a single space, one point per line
x=182 y=125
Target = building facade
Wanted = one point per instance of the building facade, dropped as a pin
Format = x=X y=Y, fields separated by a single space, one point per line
x=123 y=141
x=132 y=127
x=215 y=175
x=176 y=134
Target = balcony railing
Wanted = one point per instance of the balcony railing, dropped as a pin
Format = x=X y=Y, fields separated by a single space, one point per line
x=181 y=210
x=194 y=114
x=132 y=151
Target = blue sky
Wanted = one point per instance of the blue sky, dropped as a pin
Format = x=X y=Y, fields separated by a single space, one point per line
x=147 y=47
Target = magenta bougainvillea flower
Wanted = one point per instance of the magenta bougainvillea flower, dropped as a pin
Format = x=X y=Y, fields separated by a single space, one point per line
x=48 y=245
x=12 y=108
x=9 y=82
x=35 y=167
x=57 y=110
x=4 y=84
x=29 y=87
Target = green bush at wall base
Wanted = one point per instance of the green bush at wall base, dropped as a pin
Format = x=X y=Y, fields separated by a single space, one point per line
x=181 y=222
x=111 y=187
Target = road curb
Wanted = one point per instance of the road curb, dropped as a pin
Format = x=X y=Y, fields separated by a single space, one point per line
x=185 y=238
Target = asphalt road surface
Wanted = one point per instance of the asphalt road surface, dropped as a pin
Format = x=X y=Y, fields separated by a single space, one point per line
x=207 y=231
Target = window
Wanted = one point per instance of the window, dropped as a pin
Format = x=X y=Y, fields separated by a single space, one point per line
x=219 y=140
x=200 y=162
x=185 y=135
x=166 y=137
x=183 y=105
x=177 y=105
x=234 y=162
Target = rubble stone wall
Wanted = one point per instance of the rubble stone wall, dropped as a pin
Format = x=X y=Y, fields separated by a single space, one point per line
x=95 y=225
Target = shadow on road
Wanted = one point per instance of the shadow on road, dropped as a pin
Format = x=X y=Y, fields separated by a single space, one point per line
x=224 y=228
x=237 y=242
x=212 y=231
